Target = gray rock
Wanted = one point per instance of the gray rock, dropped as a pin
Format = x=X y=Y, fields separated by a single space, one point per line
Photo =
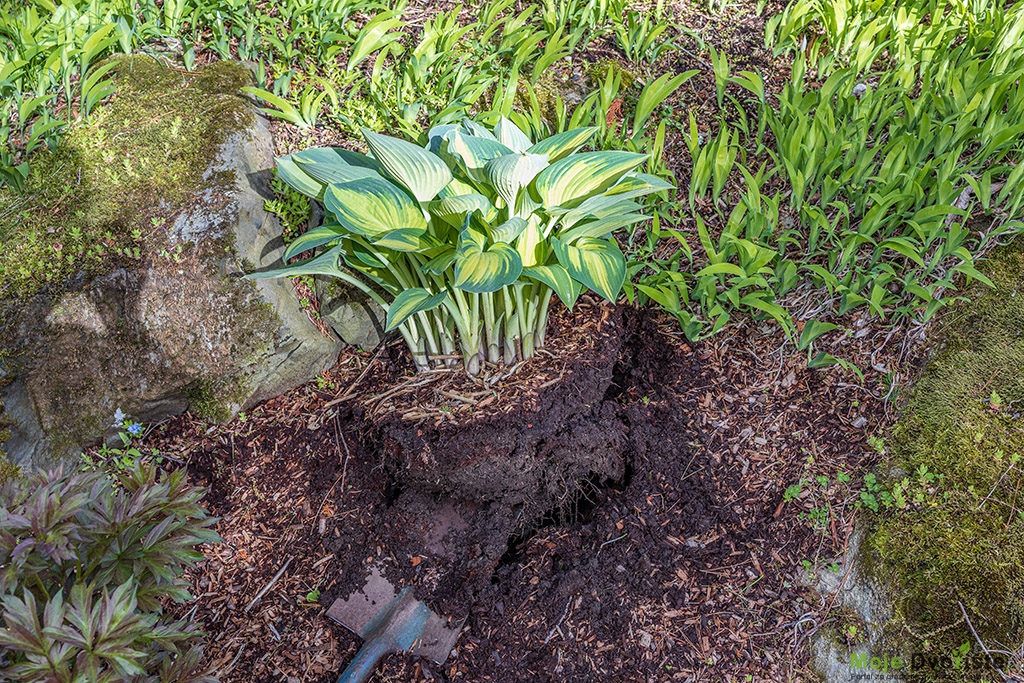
x=353 y=316
x=866 y=597
x=179 y=329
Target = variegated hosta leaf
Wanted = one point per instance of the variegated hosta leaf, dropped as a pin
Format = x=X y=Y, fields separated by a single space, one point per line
x=511 y=136
x=417 y=169
x=476 y=130
x=335 y=165
x=409 y=302
x=440 y=263
x=455 y=188
x=600 y=227
x=563 y=144
x=526 y=205
x=324 y=264
x=601 y=206
x=312 y=239
x=482 y=268
x=407 y=239
x=512 y=172
x=473 y=153
x=557 y=278
x=639 y=184
x=438 y=135
x=531 y=245
x=365 y=254
x=373 y=206
x=598 y=264
x=380 y=275
x=453 y=210
x=508 y=231
x=298 y=179
x=573 y=179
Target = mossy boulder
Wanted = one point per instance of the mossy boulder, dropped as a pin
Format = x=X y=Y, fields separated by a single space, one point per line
x=120 y=268
x=946 y=548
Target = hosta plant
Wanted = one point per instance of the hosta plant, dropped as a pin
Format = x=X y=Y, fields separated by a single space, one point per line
x=463 y=241
x=86 y=563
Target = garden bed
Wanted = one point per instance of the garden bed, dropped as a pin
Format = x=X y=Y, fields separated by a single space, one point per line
x=687 y=565
x=628 y=505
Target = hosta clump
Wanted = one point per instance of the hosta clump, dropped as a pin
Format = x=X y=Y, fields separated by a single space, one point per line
x=464 y=241
x=85 y=562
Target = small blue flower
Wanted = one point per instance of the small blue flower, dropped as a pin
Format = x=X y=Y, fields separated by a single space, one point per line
x=133 y=428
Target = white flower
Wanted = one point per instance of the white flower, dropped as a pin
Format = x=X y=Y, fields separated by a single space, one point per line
x=119 y=417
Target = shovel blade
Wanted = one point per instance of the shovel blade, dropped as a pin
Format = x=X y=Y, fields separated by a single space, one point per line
x=438 y=639
x=399 y=621
x=358 y=611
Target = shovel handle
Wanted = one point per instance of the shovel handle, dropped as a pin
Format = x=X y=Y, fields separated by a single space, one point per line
x=360 y=668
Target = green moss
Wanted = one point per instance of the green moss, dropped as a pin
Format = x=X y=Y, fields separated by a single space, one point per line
x=8 y=470
x=217 y=400
x=102 y=194
x=598 y=71
x=961 y=538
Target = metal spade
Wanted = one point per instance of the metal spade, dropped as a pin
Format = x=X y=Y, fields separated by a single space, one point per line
x=391 y=623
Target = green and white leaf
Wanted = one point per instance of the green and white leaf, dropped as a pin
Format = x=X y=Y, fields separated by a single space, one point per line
x=474 y=153
x=409 y=302
x=476 y=130
x=563 y=144
x=407 y=239
x=512 y=172
x=557 y=278
x=373 y=206
x=440 y=263
x=638 y=185
x=418 y=170
x=598 y=264
x=508 y=231
x=333 y=165
x=480 y=268
x=568 y=182
x=600 y=227
x=317 y=237
x=453 y=210
x=601 y=206
x=511 y=136
x=531 y=244
x=298 y=179
x=324 y=264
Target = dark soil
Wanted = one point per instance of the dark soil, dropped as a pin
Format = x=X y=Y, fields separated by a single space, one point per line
x=532 y=460
x=623 y=523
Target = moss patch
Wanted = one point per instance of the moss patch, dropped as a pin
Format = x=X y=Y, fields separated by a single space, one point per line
x=8 y=470
x=959 y=537
x=102 y=193
x=217 y=400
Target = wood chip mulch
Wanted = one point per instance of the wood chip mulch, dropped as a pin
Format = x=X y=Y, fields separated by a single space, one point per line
x=693 y=570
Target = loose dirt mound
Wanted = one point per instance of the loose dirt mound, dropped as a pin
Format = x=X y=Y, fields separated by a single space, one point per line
x=529 y=460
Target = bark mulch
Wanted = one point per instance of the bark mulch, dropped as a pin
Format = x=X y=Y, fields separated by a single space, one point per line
x=693 y=566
